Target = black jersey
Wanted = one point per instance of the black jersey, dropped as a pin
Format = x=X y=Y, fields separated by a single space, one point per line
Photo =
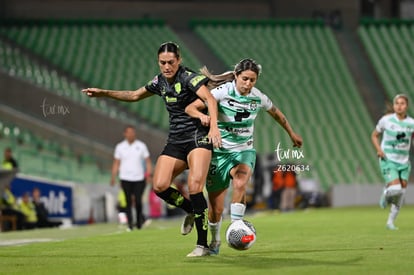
x=177 y=96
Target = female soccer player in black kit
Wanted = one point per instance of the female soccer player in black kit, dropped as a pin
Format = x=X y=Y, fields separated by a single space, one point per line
x=189 y=144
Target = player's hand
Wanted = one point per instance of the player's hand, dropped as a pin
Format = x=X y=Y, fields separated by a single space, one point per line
x=214 y=137
x=381 y=154
x=148 y=177
x=113 y=182
x=205 y=120
x=94 y=92
x=297 y=140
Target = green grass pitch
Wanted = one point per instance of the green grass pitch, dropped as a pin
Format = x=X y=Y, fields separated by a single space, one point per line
x=316 y=241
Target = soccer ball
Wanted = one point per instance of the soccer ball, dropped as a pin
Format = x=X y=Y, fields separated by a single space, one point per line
x=240 y=235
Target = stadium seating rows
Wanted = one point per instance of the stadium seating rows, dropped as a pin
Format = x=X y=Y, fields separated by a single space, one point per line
x=117 y=56
x=18 y=64
x=390 y=49
x=47 y=158
x=304 y=74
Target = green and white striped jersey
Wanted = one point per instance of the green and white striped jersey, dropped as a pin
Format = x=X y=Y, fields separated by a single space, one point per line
x=396 y=137
x=236 y=115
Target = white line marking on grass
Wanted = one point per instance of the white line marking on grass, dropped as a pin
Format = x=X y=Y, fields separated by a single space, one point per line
x=19 y=242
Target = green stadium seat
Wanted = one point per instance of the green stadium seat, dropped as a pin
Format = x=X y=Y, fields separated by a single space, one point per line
x=389 y=47
x=88 y=52
x=48 y=158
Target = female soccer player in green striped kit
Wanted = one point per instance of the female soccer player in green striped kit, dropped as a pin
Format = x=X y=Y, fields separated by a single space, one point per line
x=397 y=130
x=238 y=105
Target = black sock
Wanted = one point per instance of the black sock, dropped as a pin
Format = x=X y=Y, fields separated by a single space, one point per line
x=201 y=217
x=174 y=197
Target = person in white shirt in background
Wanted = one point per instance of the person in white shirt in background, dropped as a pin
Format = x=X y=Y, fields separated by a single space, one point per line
x=132 y=164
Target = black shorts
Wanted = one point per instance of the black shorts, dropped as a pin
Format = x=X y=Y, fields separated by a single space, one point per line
x=181 y=150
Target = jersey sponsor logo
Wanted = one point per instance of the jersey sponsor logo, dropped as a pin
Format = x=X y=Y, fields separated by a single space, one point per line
x=197 y=80
x=401 y=129
x=170 y=99
x=401 y=141
x=240 y=115
x=237 y=130
x=252 y=106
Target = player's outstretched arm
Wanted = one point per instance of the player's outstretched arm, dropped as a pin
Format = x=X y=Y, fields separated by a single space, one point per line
x=136 y=95
x=281 y=119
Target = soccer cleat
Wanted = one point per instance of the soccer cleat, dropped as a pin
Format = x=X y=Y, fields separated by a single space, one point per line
x=383 y=201
x=214 y=247
x=391 y=227
x=199 y=251
x=146 y=223
x=187 y=224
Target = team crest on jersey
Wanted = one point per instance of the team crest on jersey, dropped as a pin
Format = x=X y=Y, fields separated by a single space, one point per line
x=177 y=87
x=253 y=105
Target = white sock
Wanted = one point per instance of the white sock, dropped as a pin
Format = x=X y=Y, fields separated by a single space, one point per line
x=237 y=211
x=393 y=214
x=402 y=197
x=396 y=204
x=215 y=230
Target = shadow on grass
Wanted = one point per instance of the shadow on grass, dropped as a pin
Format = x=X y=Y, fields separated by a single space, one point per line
x=278 y=259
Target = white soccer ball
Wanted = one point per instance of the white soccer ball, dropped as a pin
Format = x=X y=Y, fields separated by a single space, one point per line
x=241 y=235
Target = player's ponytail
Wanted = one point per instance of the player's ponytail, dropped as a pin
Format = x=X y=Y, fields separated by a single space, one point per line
x=216 y=80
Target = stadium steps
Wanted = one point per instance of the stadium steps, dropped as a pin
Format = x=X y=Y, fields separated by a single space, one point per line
x=306 y=76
